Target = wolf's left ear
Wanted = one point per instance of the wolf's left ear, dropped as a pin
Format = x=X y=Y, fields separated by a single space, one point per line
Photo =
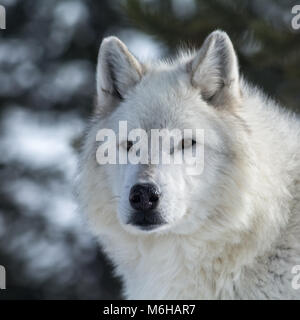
x=117 y=71
x=215 y=69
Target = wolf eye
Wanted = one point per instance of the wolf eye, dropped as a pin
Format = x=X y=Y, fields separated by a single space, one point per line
x=186 y=143
x=126 y=145
x=129 y=145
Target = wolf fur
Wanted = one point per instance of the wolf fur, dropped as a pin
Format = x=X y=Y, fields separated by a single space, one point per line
x=233 y=232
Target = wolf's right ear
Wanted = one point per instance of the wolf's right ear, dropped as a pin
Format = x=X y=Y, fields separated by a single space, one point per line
x=214 y=70
x=117 y=71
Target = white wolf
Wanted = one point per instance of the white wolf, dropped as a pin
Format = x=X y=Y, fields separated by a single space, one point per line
x=232 y=232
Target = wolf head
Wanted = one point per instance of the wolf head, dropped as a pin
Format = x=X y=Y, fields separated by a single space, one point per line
x=198 y=90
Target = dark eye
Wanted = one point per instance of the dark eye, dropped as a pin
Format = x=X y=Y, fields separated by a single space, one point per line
x=186 y=143
x=129 y=145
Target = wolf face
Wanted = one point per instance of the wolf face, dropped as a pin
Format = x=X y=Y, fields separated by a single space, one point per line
x=227 y=229
x=199 y=90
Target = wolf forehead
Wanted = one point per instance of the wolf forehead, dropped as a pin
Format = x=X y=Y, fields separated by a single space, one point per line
x=162 y=96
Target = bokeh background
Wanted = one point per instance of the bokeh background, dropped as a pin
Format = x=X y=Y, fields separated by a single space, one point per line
x=47 y=63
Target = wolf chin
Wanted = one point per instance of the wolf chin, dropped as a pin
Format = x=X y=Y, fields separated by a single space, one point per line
x=232 y=232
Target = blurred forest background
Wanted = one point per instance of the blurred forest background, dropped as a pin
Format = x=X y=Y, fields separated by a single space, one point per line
x=48 y=54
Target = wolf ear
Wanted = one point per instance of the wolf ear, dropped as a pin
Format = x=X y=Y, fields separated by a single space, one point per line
x=215 y=69
x=117 y=70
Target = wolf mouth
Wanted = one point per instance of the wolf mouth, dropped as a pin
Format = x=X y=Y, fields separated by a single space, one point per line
x=146 y=220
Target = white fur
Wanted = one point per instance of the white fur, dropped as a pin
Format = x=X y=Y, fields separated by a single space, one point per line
x=234 y=231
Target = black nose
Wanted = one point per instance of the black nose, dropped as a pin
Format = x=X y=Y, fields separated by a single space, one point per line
x=144 y=196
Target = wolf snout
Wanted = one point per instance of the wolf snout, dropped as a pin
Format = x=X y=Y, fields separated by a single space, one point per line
x=144 y=196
